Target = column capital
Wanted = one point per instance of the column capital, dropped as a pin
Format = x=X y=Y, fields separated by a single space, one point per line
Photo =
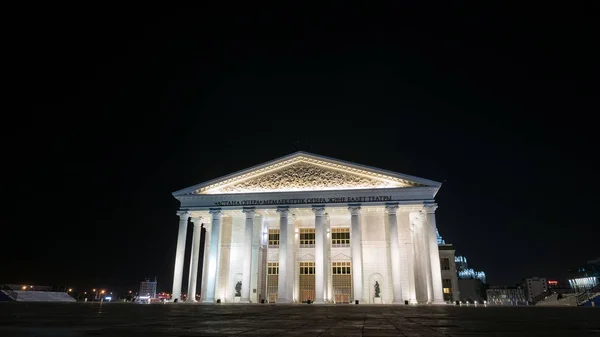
x=354 y=209
x=184 y=215
x=283 y=211
x=391 y=209
x=250 y=212
x=197 y=220
x=216 y=213
x=319 y=210
x=430 y=208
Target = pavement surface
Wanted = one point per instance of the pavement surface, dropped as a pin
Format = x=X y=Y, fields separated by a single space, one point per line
x=172 y=319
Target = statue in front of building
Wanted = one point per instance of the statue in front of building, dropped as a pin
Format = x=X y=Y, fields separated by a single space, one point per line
x=377 y=291
x=238 y=289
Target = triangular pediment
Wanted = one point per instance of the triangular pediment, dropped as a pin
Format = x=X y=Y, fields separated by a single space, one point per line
x=303 y=171
x=341 y=257
x=306 y=257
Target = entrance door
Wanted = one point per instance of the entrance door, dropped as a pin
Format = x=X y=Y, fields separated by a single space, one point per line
x=342 y=281
x=307 y=281
x=272 y=281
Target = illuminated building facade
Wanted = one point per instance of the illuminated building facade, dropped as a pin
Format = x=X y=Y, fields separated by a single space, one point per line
x=449 y=272
x=586 y=276
x=503 y=295
x=310 y=228
x=464 y=272
x=147 y=289
x=534 y=286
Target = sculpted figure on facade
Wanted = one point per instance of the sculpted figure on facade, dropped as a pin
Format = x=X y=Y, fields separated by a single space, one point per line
x=238 y=289
x=301 y=176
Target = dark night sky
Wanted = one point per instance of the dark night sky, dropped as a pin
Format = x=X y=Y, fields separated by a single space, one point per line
x=112 y=109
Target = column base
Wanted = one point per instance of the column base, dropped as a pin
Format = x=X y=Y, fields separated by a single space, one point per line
x=438 y=302
x=244 y=300
x=397 y=302
x=283 y=300
x=413 y=301
x=318 y=301
x=208 y=301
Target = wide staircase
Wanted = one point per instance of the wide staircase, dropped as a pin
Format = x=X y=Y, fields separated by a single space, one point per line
x=41 y=296
x=554 y=300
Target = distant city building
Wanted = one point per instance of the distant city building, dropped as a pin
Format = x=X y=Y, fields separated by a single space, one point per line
x=461 y=262
x=586 y=276
x=503 y=295
x=439 y=238
x=147 y=289
x=559 y=287
x=449 y=273
x=534 y=286
x=472 y=274
x=464 y=272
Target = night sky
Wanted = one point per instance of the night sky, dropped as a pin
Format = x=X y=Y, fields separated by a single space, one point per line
x=110 y=110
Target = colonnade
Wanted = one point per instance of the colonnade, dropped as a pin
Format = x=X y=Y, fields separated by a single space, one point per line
x=422 y=255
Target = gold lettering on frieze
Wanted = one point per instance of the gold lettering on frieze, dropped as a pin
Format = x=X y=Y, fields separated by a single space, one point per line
x=298 y=201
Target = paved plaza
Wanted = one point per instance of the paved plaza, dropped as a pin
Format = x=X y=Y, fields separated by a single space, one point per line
x=125 y=319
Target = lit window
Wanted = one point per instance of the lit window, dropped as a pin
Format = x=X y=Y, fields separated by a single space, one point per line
x=340 y=268
x=273 y=238
x=307 y=268
x=446 y=290
x=307 y=237
x=340 y=237
x=273 y=268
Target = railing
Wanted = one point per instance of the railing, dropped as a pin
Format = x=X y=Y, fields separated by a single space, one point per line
x=587 y=294
x=11 y=294
x=540 y=297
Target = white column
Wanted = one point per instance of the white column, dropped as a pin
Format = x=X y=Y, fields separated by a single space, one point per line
x=205 y=259
x=410 y=257
x=213 y=259
x=434 y=254
x=356 y=249
x=292 y=270
x=195 y=256
x=319 y=254
x=327 y=280
x=420 y=264
x=395 y=253
x=247 y=267
x=285 y=287
x=179 y=255
x=425 y=256
x=256 y=263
